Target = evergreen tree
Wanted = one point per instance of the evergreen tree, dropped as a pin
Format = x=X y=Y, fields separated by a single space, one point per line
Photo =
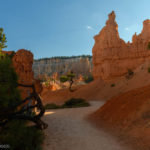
x=14 y=131
x=2 y=39
x=69 y=77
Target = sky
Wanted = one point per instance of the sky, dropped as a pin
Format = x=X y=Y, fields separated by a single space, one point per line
x=66 y=27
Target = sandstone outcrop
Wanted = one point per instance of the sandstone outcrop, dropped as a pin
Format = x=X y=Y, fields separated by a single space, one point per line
x=22 y=62
x=112 y=57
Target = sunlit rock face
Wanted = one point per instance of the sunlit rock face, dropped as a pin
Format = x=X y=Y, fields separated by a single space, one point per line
x=112 y=57
x=22 y=62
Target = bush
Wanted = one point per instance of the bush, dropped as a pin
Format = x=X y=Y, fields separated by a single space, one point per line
x=52 y=106
x=113 y=85
x=148 y=70
x=76 y=102
x=21 y=137
x=47 y=83
x=148 y=46
x=88 y=79
x=63 y=78
x=130 y=72
x=71 y=103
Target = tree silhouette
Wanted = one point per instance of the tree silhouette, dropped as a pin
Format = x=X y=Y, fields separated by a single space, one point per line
x=69 y=77
x=2 y=40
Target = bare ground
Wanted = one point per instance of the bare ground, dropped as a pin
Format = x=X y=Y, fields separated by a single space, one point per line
x=69 y=130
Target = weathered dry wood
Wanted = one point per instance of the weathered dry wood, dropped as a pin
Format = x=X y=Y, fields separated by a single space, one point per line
x=9 y=114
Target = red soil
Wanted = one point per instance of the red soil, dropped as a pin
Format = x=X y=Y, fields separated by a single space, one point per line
x=128 y=113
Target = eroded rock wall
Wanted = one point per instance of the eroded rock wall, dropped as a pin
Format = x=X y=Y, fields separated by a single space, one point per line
x=79 y=65
x=112 y=57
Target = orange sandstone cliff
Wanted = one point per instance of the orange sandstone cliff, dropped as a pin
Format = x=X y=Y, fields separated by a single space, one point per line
x=112 y=57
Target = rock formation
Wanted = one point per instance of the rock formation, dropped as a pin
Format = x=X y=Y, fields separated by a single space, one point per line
x=47 y=67
x=112 y=57
x=22 y=62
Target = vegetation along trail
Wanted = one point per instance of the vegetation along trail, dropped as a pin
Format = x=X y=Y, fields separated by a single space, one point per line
x=69 y=130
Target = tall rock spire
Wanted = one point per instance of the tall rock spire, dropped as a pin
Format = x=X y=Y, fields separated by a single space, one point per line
x=112 y=57
x=109 y=36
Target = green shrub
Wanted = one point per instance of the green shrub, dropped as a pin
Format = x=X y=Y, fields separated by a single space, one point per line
x=130 y=72
x=146 y=115
x=52 y=106
x=148 y=70
x=47 y=83
x=63 y=78
x=112 y=85
x=76 y=102
x=71 y=103
x=70 y=75
x=88 y=79
x=148 y=46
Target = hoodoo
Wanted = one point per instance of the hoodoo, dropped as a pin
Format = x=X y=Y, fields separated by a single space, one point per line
x=22 y=62
x=112 y=57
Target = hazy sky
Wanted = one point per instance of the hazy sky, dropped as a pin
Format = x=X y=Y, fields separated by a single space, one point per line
x=66 y=27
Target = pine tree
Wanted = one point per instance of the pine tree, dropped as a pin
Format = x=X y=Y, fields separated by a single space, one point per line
x=69 y=77
x=9 y=93
x=2 y=39
x=13 y=131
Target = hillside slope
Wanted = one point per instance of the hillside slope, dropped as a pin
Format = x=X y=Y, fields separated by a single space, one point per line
x=129 y=115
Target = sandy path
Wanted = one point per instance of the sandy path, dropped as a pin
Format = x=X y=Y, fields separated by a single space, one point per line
x=68 y=130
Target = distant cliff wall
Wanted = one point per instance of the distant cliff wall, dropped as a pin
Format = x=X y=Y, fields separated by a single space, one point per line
x=80 y=65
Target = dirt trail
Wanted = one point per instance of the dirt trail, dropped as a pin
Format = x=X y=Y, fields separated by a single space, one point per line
x=68 y=130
